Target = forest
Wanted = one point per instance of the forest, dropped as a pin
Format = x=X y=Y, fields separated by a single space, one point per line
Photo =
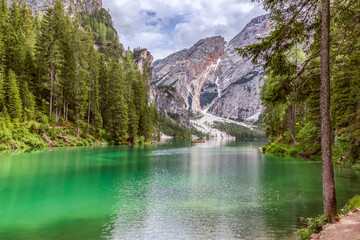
x=240 y=132
x=291 y=92
x=311 y=86
x=56 y=89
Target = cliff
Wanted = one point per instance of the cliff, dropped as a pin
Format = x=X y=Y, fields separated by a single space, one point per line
x=212 y=78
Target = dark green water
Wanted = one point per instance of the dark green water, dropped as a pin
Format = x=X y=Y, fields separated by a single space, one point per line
x=217 y=190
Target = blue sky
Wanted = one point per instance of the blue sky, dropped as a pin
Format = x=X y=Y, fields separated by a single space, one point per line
x=167 y=26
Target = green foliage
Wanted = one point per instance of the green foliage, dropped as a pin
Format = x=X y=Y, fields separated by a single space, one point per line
x=104 y=33
x=353 y=204
x=278 y=149
x=172 y=128
x=12 y=96
x=356 y=166
x=238 y=131
x=34 y=141
x=313 y=225
x=291 y=90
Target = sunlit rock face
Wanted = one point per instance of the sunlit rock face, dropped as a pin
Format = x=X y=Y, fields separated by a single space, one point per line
x=72 y=6
x=212 y=77
x=189 y=69
x=144 y=59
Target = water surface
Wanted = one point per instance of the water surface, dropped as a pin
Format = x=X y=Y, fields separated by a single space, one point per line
x=216 y=190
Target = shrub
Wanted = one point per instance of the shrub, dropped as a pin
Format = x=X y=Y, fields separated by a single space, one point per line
x=61 y=143
x=309 y=132
x=313 y=225
x=278 y=149
x=5 y=147
x=34 y=142
x=5 y=135
x=34 y=126
x=356 y=167
x=351 y=205
x=141 y=140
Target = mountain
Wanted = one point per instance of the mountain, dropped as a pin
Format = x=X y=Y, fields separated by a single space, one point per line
x=88 y=6
x=212 y=78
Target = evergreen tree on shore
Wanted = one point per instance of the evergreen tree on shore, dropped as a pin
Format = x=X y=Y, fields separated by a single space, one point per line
x=12 y=97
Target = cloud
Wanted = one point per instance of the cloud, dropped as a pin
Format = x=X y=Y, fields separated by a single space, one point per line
x=164 y=26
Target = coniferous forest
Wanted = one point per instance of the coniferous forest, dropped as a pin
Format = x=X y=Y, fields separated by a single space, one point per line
x=57 y=90
x=292 y=84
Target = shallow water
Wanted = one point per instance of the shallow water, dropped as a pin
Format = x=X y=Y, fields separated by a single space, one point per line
x=216 y=190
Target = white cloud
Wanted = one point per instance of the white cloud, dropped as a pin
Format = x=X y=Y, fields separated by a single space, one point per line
x=164 y=26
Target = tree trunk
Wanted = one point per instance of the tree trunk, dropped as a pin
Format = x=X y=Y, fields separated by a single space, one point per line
x=329 y=196
x=77 y=124
x=57 y=112
x=282 y=130
x=67 y=111
x=88 y=120
x=51 y=89
x=292 y=121
x=64 y=111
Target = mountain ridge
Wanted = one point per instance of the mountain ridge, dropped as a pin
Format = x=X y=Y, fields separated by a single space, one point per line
x=212 y=78
x=71 y=6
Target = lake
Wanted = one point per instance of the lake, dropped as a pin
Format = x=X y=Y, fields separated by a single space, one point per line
x=175 y=190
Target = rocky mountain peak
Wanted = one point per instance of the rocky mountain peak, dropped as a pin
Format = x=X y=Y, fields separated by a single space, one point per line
x=212 y=78
x=257 y=27
x=187 y=69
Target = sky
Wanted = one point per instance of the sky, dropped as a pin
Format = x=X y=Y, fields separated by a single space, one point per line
x=167 y=26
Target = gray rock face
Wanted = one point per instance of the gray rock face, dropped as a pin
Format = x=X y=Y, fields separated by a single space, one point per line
x=188 y=69
x=172 y=105
x=72 y=6
x=212 y=77
x=143 y=58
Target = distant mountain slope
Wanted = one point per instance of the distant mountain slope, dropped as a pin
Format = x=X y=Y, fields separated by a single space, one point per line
x=72 y=6
x=211 y=77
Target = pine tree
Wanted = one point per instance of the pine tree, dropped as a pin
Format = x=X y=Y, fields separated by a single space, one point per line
x=20 y=38
x=131 y=79
x=28 y=102
x=117 y=109
x=3 y=31
x=104 y=90
x=133 y=121
x=2 y=93
x=308 y=23
x=49 y=55
x=69 y=66
x=12 y=96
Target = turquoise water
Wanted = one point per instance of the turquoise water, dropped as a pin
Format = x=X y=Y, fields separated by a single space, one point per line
x=216 y=190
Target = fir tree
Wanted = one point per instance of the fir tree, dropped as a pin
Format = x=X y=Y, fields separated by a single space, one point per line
x=12 y=96
x=117 y=109
x=2 y=93
x=49 y=55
